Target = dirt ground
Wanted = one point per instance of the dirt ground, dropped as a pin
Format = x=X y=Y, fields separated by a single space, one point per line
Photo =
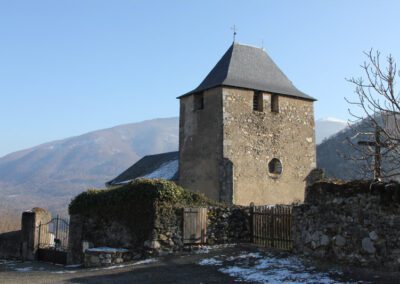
x=209 y=265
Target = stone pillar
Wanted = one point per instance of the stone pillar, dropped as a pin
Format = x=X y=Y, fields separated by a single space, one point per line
x=29 y=231
x=76 y=245
x=314 y=175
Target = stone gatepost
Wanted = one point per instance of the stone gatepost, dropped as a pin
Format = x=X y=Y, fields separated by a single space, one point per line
x=314 y=176
x=29 y=231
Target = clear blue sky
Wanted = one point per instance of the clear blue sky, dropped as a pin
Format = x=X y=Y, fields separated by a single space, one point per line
x=72 y=66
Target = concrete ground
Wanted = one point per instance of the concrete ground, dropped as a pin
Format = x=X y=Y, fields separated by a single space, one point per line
x=246 y=264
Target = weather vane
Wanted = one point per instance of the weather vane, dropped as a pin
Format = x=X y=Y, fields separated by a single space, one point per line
x=234 y=29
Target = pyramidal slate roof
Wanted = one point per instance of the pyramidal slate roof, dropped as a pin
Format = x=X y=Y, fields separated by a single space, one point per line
x=249 y=67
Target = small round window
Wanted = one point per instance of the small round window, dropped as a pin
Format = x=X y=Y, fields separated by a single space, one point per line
x=275 y=167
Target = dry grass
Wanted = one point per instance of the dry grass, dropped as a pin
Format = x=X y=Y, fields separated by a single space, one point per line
x=9 y=221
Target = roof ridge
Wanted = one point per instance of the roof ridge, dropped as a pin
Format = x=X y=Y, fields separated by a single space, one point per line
x=249 y=67
x=229 y=62
x=249 y=45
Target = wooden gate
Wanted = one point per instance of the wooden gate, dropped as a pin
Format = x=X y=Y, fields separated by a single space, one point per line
x=271 y=226
x=53 y=240
x=194 y=225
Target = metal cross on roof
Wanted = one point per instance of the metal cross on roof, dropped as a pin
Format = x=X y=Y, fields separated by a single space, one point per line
x=234 y=29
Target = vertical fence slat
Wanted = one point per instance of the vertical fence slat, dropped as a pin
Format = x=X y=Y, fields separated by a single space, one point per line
x=271 y=226
x=194 y=225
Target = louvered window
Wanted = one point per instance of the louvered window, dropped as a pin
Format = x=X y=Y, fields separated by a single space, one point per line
x=274 y=103
x=198 y=101
x=257 y=101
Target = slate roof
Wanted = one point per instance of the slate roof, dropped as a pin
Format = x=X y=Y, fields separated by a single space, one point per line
x=163 y=165
x=249 y=67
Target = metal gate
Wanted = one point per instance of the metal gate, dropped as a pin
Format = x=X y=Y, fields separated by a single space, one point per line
x=194 y=225
x=271 y=226
x=53 y=240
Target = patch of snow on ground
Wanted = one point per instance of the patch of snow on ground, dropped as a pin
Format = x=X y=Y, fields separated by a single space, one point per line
x=7 y=262
x=207 y=249
x=210 y=261
x=246 y=255
x=145 y=261
x=165 y=171
x=24 y=269
x=65 y=271
x=107 y=249
x=73 y=266
x=259 y=268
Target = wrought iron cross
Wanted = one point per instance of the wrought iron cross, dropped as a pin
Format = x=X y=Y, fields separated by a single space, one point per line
x=377 y=156
x=234 y=29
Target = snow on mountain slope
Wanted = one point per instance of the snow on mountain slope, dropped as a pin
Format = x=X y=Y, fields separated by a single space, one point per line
x=326 y=127
x=49 y=175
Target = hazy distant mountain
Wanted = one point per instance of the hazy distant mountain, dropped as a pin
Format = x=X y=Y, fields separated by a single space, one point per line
x=328 y=126
x=49 y=175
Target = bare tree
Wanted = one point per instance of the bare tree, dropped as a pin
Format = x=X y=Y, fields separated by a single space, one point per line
x=376 y=122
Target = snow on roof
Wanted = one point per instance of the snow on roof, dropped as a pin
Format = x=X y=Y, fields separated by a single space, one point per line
x=165 y=171
x=162 y=166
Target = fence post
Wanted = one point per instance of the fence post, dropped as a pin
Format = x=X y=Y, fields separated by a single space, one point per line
x=57 y=221
x=39 y=233
x=251 y=222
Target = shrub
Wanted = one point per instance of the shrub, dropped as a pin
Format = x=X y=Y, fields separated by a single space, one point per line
x=136 y=193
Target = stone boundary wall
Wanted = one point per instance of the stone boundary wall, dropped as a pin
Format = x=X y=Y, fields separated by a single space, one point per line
x=23 y=244
x=10 y=244
x=97 y=257
x=356 y=223
x=225 y=225
x=228 y=225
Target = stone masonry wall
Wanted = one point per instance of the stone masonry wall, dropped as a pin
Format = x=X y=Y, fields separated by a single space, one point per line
x=225 y=147
x=97 y=232
x=225 y=225
x=253 y=138
x=10 y=244
x=200 y=144
x=228 y=225
x=353 y=223
x=24 y=243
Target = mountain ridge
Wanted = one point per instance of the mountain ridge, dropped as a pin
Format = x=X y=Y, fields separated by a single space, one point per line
x=50 y=174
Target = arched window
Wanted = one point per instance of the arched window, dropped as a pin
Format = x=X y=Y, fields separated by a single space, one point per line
x=275 y=167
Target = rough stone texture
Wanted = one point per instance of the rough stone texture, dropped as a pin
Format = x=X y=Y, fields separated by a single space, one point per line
x=225 y=147
x=10 y=244
x=253 y=138
x=224 y=225
x=99 y=233
x=105 y=258
x=24 y=243
x=228 y=225
x=29 y=234
x=200 y=144
x=152 y=244
x=355 y=223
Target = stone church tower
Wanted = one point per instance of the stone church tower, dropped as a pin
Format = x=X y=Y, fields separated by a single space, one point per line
x=246 y=132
